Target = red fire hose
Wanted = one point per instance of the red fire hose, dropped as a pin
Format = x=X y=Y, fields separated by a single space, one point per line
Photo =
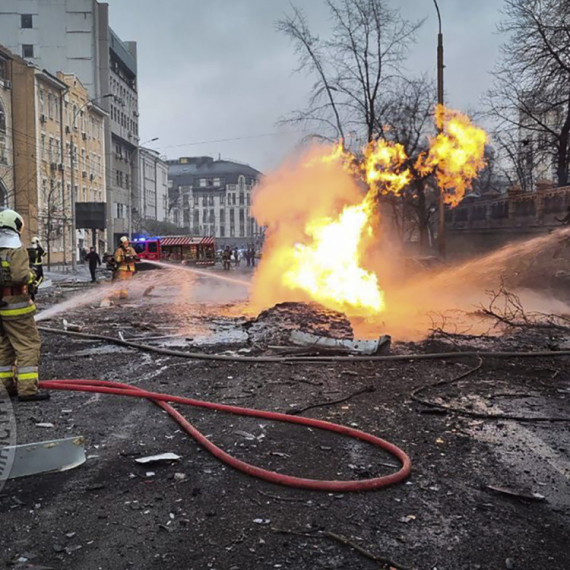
x=119 y=389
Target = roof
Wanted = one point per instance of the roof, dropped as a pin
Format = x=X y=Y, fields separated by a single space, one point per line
x=186 y=240
x=186 y=171
x=121 y=50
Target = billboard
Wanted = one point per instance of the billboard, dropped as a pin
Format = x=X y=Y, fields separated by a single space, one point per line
x=90 y=215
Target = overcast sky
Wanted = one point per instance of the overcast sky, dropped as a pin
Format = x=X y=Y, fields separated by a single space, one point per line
x=218 y=69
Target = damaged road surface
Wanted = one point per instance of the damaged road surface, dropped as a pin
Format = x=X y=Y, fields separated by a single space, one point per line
x=189 y=510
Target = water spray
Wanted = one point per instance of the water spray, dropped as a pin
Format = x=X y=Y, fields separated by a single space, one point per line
x=199 y=272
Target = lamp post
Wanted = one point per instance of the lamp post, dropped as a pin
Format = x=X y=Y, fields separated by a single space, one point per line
x=72 y=166
x=441 y=230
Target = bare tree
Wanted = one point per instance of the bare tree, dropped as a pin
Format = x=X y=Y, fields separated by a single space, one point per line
x=353 y=68
x=52 y=216
x=531 y=95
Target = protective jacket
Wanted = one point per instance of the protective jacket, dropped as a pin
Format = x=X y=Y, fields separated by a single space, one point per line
x=125 y=257
x=16 y=277
x=19 y=338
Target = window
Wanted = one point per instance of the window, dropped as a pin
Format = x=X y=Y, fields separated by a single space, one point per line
x=27 y=50
x=26 y=21
x=222 y=200
x=202 y=182
x=217 y=182
x=127 y=181
x=3 y=69
x=204 y=201
x=211 y=200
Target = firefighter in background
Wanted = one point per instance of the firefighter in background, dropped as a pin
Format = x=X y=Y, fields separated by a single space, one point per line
x=19 y=337
x=125 y=258
x=36 y=254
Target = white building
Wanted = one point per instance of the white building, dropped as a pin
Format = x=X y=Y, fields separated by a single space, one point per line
x=214 y=197
x=74 y=36
x=153 y=199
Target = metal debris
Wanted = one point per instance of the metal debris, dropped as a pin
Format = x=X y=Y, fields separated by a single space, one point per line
x=47 y=457
x=382 y=344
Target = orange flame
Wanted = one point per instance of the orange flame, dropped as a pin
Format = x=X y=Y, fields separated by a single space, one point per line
x=319 y=225
x=456 y=154
x=382 y=167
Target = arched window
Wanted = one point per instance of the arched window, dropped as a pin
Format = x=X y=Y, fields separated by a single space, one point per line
x=241 y=181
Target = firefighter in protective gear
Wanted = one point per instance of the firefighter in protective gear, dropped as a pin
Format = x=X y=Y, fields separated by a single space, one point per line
x=19 y=337
x=125 y=258
x=36 y=254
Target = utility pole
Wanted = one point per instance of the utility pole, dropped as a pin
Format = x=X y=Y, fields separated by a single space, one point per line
x=441 y=246
x=72 y=202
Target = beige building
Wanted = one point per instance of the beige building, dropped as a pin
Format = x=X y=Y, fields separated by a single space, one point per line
x=69 y=131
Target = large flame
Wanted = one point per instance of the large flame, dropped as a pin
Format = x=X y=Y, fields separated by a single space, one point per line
x=456 y=154
x=319 y=225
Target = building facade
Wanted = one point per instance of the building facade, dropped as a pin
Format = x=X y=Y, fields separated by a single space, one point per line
x=6 y=131
x=153 y=197
x=214 y=198
x=74 y=36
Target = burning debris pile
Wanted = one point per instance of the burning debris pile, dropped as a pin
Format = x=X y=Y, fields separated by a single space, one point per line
x=273 y=326
x=319 y=242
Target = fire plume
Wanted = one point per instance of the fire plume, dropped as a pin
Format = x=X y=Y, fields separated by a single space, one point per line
x=456 y=154
x=383 y=167
x=320 y=223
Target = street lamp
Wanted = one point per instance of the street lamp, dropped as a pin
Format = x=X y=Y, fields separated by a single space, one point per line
x=72 y=165
x=441 y=230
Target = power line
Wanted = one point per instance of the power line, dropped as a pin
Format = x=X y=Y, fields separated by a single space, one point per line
x=275 y=133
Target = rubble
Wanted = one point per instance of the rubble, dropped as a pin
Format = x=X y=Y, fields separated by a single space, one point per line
x=273 y=326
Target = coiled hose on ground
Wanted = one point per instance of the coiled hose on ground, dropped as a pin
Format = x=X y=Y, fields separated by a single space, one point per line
x=164 y=401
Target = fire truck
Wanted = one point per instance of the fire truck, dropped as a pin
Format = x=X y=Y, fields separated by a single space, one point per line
x=187 y=250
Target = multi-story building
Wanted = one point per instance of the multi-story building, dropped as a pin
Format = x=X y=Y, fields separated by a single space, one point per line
x=215 y=197
x=6 y=131
x=152 y=202
x=74 y=36
x=43 y=118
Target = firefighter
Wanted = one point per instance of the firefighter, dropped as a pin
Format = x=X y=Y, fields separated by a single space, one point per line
x=36 y=254
x=19 y=337
x=125 y=258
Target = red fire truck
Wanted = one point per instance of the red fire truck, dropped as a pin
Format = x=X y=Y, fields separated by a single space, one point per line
x=188 y=250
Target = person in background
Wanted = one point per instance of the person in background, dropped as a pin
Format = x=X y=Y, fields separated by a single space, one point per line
x=94 y=260
x=19 y=337
x=226 y=258
x=252 y=256
x=36 y=254
x=236 y=256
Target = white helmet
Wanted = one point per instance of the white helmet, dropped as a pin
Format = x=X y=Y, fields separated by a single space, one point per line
x=124 y=239
x=11 y=220
x=35 y=239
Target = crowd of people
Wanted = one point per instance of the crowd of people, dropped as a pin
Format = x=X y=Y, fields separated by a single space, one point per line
x=234 y=255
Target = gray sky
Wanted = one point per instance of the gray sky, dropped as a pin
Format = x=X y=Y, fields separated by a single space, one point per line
x=217 y=69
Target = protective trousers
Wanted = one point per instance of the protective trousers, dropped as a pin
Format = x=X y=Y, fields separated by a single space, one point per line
x=123 y=275
x=20 y=355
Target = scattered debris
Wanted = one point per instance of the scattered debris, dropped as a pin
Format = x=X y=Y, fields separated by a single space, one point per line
x=158 y=458
x=71 y=326
x=517 y=494
x=45 y=425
